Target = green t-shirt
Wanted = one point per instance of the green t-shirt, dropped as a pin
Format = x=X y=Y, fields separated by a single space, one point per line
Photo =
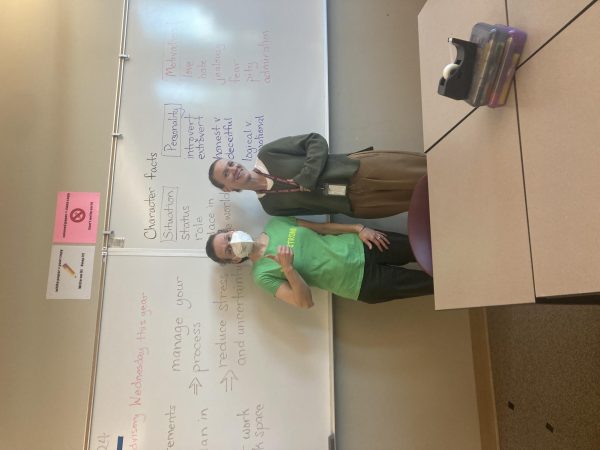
x=333 y=262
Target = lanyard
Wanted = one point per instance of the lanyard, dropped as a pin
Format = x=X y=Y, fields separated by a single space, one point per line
x=296 y=188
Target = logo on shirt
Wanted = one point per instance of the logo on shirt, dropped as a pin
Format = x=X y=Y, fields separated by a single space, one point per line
x=291 y=240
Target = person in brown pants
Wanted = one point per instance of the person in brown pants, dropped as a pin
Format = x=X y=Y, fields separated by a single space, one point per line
x=296 y=175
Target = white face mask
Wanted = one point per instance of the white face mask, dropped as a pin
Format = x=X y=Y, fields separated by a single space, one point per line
x=241 y=244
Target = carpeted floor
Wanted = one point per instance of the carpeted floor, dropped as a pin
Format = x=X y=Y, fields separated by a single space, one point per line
x=546 y=372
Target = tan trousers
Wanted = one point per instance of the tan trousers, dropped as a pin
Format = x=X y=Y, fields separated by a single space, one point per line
x=384 y=182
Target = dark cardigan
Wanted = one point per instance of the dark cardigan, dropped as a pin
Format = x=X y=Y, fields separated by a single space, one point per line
x=306 y=159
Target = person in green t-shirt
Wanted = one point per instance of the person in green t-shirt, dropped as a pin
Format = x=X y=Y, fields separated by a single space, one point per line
x=351 y=261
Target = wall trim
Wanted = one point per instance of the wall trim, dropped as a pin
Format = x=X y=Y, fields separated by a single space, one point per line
x=484 y=382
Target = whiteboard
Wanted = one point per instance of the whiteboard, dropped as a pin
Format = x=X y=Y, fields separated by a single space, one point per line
x=192 y=354
x=188 y=361
x=208 y=79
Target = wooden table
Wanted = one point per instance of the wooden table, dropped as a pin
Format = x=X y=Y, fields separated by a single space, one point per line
x=514 y=192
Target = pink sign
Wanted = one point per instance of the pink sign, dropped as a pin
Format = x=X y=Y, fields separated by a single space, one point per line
x=76 y=219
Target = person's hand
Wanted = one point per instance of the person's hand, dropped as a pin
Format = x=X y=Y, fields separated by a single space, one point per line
x=370 y=237
x=302 y=188
x=284 y=257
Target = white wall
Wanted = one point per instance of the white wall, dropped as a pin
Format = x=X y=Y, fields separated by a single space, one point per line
x=404 y=373
x=58 y=82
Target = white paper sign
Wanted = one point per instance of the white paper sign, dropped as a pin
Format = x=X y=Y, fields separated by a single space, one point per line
x=71 y=270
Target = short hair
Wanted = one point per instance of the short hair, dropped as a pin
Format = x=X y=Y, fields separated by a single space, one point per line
x=211 y=177
x=210 y=249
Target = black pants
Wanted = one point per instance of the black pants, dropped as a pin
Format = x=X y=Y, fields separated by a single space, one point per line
x=384 y=280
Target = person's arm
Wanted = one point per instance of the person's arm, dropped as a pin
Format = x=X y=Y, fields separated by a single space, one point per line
x=367 y=235
x=294 y=291
x=308 y=156
x=316 y=150
x=311 y=150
